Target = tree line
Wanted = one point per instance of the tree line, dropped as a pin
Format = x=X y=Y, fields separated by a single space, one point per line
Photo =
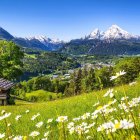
x=86 y=80
x=83 y=80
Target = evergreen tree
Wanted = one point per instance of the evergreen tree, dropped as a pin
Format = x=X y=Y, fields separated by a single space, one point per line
x=70 y=90
x=78 y=82
x=103 y=76
x=91 y=80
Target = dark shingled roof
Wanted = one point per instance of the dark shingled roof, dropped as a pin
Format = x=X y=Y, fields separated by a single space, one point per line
x=5 y=84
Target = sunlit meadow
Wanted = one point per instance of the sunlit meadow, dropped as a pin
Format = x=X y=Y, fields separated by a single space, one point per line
x=108 y=114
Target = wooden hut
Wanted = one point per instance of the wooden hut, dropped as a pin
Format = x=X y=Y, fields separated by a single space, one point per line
x=5 y=87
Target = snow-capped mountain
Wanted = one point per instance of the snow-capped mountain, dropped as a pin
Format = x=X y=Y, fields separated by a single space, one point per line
x=95 y=34
x=114 y=41
x=44 y=39
x=114 y=32
x=37 y=42
x=44 y=42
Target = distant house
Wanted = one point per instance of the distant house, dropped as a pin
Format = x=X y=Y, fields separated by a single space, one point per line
x=67 y=76
x=5 y=87
x=55 y=76
x=70 y=71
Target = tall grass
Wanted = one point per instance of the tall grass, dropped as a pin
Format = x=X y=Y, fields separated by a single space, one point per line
x=88 y=116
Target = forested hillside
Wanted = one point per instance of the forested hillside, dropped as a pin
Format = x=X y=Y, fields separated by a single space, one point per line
x=62 y=74
x=41 y=63
x=101 y=47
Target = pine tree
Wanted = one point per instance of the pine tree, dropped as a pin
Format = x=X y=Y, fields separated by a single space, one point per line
x=78 y=82
x=91 y=80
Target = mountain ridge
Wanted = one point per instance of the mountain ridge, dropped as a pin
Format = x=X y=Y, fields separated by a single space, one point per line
x=36 y=42
x=113 y=32
x=113 y=41
x=4 y=34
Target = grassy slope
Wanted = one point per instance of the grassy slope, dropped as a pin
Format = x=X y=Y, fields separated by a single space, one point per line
x=72 y=107
x=41 y=95
x=30 y=55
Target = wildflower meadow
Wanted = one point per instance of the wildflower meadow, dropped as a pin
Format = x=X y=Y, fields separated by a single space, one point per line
x=109 y=114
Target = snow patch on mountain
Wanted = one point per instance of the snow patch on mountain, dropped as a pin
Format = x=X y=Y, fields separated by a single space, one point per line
x=95 y=34
x=115 y=32
x=44 y=40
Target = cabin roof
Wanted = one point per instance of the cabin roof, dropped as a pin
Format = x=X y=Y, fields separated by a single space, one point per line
x=5 y=84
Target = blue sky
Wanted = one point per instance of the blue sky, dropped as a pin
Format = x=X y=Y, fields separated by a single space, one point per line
x=67 y=19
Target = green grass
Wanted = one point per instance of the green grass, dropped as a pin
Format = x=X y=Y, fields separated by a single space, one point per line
x=41 y=95
x=77 y=104
x=30 y=55
x=71 y=107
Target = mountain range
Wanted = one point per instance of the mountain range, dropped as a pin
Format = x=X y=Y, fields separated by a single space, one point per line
x=114 y=41
x=114 y=32
x=37 y=42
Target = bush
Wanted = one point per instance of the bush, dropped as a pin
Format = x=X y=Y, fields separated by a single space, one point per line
x=40 y=96
x=11 y=101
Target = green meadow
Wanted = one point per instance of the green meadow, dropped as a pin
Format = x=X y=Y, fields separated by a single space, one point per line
x=74 y=107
